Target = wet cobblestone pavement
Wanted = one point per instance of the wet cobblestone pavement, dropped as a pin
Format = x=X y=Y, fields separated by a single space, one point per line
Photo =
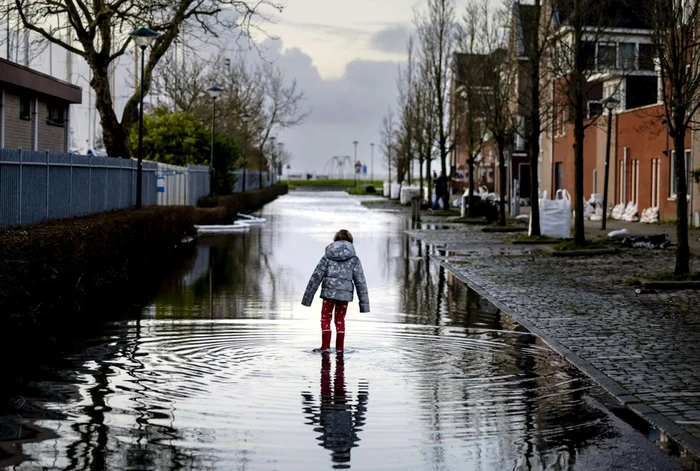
x=643 y=348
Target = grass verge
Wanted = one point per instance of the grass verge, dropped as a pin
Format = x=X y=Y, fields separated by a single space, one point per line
x=293 y=184
x=570 y=246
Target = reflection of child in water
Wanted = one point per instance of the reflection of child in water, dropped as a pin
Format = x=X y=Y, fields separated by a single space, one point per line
x=337 y=419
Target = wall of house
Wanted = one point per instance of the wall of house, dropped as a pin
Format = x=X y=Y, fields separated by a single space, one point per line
x=18 y=132
x=51 y=136
x=695 y=186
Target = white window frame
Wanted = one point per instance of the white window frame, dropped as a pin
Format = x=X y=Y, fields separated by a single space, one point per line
x=597 y=55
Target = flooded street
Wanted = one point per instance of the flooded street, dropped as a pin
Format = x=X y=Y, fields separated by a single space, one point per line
x=219 y=372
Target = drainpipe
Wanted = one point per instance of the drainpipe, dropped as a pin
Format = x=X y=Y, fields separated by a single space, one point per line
x=2 y=118
x=624 y=176
x=36 y=124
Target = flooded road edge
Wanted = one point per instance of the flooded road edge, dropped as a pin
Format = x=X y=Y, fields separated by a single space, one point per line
x=684 y=440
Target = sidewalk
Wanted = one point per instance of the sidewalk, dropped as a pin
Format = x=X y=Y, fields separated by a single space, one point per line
x=643 y=348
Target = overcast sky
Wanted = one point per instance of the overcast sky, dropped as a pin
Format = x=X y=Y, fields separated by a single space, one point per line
x=345 y=56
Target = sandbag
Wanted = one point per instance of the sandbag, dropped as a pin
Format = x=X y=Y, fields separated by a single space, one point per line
x=618 y=212
x=630 y=214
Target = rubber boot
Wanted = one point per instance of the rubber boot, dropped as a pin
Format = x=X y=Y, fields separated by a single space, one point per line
x=325 y=341
x=339 y=342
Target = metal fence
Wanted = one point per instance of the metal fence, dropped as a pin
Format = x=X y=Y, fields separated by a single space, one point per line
x=181 y=185
x=38 y=186
x=247 y=180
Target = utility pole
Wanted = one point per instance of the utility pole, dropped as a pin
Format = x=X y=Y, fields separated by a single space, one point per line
x=372 y=162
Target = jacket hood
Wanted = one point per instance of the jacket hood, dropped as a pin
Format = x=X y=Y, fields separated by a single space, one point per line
x=340 y=251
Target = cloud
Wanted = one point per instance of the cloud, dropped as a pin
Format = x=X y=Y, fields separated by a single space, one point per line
x=324 y=31
x=343 y=109
x=391 y=39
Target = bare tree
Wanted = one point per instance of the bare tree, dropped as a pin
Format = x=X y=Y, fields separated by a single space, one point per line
x=676 y=25
x=468 y=89
x=529 y=30
x=573 y=64
x=282 y=104
x=406 y=105
x=436 y=35
x=387 y=143
x=496 y=75
x=98 y=31
x=425 y=125
x=182 y=85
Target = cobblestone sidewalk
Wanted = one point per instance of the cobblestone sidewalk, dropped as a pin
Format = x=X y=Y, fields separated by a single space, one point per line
x=642 y=348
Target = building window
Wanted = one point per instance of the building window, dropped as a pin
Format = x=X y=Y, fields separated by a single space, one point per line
x=595 y=180
x=595 y=108
x=56 y=115
x=588 y=51
x=672 y=173
x=607 y=56
x=25 y=108
x=628 y=56
x=646 y=57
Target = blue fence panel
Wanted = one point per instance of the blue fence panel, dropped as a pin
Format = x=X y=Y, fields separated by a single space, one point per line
x=34 y=190
x=9 y=187
x=59 y=185
x=98 y=183
x=80 y=185
x=37 y=186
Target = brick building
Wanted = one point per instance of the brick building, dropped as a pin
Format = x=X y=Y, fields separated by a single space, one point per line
x=34 y=109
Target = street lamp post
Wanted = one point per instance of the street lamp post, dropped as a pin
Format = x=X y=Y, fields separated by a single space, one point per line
x=272 y=147
x=246 y=119
x=214 y=92
x=610 y=103
x=355 y=143
x=143 y=37
x=372 y=162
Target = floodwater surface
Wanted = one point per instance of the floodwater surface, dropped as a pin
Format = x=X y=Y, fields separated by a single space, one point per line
x=219 y=372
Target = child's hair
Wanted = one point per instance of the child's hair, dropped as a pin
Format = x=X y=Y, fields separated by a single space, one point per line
x=343 y=235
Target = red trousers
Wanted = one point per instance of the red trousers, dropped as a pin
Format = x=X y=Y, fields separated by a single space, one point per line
x=327 y=315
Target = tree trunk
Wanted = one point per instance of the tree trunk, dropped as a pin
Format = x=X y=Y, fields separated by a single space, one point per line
x=470 y=201
x=429 y=177
x=536 y=129
x=682 y=251
x=114 y=133
x=502 y=182
x=534 y=163
x=420 y=177
x=579 y=230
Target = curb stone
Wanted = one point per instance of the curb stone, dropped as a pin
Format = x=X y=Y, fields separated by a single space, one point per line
x=625 y=397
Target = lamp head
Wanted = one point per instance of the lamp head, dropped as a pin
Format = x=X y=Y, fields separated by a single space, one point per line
x=143 y=37
x=246 y=117
x=611 y=103
x=214 y=91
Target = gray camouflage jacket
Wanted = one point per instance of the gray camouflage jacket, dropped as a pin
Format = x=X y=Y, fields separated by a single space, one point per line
x=340 y=271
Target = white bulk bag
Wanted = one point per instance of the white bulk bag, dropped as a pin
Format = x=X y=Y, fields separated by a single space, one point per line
x=385 y=189
x=555 y=215
x=395 y=191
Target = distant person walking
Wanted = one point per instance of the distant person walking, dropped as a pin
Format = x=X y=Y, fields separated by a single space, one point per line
x=441 y=192
x=340 y=272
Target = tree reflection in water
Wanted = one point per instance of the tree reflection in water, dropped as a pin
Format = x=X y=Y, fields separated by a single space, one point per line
x=336 y=417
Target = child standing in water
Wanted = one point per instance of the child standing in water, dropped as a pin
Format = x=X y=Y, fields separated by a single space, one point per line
x=340 y=271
